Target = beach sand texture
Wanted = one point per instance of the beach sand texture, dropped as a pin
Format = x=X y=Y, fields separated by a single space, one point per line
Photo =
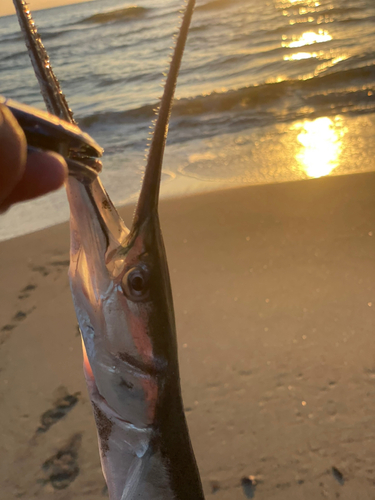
x=274 y=296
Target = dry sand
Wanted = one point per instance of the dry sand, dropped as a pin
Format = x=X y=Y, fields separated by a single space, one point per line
x=274 y=296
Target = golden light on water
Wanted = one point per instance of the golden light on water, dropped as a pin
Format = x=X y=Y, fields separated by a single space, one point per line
x=306 y=39
x=296 y=2
x=321 y=145
x=300 y=55
x=309 y=38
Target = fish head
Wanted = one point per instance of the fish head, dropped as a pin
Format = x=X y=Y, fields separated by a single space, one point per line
x=122 y=296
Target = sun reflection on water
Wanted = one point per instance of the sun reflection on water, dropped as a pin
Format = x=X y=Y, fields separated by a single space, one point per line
x=321 y=142
x=286 y=3
x=301 y=55
x=308 y=38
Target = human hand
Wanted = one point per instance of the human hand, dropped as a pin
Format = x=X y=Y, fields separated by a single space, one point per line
x=25 y=177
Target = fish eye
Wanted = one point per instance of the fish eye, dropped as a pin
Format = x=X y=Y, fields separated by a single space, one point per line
x=135 y=284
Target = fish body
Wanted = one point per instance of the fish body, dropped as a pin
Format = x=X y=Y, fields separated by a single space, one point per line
x=123 y=301
x=122 y=296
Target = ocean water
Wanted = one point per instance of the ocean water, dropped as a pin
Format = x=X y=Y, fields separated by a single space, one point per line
x=268 y=91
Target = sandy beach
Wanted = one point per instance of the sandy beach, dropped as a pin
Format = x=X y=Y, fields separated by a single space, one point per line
x=274 y=297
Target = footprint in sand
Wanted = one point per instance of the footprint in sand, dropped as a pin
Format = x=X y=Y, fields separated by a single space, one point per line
x=17 y=318
x=338 y=475
x=26 y=292
x=62 y=406
x=62 y=468
x=55 y=265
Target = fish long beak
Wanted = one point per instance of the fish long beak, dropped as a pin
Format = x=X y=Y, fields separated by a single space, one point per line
x=149 y=196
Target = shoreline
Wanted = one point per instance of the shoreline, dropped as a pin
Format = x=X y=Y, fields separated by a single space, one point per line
x=188 y=187
x=236 y=160
x=274 y=296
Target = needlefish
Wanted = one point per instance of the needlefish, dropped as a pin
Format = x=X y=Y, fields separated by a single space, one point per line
x=122 y=296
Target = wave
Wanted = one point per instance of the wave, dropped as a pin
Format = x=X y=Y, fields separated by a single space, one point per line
x=18 y=37
x=299 y=27
x=214 y=4
x=270 y=93
x=124 y=14
x=14 y=57
x=338 y=11
x=338 y=92
x=367 y=20
x=50 y=35
x=143 y=113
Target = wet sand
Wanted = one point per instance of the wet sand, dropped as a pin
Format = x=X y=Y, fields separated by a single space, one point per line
x=274 y=296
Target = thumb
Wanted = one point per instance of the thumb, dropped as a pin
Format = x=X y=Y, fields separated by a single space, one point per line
x=12 y=152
